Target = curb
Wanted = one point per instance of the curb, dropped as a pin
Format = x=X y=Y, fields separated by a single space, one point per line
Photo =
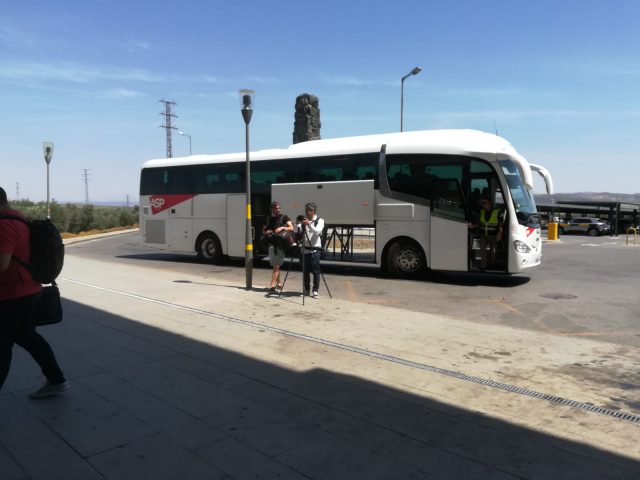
x=88 y=238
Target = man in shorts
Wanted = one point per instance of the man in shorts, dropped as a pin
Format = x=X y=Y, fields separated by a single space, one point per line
x=278 y=225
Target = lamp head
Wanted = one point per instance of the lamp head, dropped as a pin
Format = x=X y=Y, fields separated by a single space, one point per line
x=47 y=149
x=246 y=103
x=416 y=71
x=246 y=98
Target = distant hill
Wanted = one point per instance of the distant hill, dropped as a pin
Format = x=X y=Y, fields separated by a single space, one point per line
x=588 y=197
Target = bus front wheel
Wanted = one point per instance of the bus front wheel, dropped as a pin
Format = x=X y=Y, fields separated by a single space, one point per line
x=405 y=258
x=208 y=248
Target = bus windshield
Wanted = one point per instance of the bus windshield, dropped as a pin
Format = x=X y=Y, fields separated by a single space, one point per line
x=523 y=202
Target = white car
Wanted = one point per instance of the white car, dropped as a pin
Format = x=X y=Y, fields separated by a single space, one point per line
x=590 y=226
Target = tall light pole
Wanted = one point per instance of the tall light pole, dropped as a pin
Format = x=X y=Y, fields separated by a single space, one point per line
x=415 y=71
x=185 y=135
x=246 y=100
x=47 y=148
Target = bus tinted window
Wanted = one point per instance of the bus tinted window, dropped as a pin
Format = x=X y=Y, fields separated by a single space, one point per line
x=423 y=175
x=478 y=166
x=167 y=180
x=230 y=177
x=218 y=178
x=263 y=174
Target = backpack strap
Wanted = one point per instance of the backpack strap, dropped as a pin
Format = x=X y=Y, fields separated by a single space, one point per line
x=14 y=217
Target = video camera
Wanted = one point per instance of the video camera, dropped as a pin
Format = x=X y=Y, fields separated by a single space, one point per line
x=300 y=227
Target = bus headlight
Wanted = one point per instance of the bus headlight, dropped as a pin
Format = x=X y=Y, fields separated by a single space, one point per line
x=521 y=247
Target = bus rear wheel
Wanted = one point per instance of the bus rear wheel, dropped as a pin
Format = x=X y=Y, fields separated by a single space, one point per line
x=405 y=258
x=208 y=248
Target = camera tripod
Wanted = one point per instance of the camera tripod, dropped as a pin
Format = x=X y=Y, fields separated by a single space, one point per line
x=303 y=263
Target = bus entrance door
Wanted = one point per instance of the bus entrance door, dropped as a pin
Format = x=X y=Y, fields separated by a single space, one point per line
x=448 y=242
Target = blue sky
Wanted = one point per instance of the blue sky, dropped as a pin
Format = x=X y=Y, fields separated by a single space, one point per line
x=561 y=80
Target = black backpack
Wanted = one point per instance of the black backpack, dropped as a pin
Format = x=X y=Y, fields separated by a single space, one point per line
x=47 y=249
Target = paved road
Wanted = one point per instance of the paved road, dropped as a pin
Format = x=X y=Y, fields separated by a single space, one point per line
x=586 y=287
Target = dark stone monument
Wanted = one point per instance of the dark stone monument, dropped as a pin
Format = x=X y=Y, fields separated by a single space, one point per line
x=307 y=118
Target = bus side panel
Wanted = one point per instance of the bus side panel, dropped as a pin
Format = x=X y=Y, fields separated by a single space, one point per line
x=210 y=215
x=395 y=219
x=236 y=224
x=180 y=226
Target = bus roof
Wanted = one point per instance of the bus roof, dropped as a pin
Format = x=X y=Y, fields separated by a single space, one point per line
x=454 y=142
x=450 y=141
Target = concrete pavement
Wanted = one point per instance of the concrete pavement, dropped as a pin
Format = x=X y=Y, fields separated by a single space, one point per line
x=186 y=376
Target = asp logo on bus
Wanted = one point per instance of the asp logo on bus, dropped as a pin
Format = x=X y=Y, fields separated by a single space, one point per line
x=160 y=203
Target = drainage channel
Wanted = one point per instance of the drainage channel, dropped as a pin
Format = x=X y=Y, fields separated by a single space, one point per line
x=381 y=356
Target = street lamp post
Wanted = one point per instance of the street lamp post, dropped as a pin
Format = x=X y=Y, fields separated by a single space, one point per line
x=189 y=137
x=47 y=148
x=415 y=71
x=246 y=101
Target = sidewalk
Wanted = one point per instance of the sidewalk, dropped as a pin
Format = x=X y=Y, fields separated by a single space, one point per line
x=183 y=376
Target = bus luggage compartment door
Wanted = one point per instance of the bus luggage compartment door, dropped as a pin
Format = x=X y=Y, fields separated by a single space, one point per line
x=339 y=203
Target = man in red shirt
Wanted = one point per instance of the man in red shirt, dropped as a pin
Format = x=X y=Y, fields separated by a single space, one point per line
x=19 y=294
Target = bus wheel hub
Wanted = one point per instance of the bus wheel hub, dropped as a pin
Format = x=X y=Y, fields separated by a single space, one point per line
x=408 y=259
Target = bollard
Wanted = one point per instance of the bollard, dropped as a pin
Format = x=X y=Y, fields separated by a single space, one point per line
x=552 y=231
x=635 y=234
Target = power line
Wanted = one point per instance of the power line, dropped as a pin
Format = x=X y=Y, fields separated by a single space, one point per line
x=167 y=124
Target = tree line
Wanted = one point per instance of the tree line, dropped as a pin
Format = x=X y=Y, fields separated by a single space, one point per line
x=74 y=218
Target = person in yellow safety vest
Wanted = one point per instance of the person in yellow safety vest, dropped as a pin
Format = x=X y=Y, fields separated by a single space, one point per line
x=490 y=228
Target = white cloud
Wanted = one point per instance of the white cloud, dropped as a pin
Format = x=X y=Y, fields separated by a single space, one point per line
x=264 y=80
x=135 y=46
x=484 y=92
x=341 y=80
x=15 y=38
x=122 y=93
x=77 y=73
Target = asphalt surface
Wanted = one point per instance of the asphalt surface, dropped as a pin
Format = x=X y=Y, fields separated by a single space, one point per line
x=586 y=287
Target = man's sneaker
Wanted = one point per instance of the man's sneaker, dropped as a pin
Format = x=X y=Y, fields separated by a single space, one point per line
x=48 y=390
x=315 y=294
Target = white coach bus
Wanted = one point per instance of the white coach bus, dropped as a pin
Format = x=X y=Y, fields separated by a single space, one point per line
x=414 y=193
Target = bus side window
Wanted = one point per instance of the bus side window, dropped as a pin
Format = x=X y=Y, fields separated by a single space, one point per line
x=179 y=180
